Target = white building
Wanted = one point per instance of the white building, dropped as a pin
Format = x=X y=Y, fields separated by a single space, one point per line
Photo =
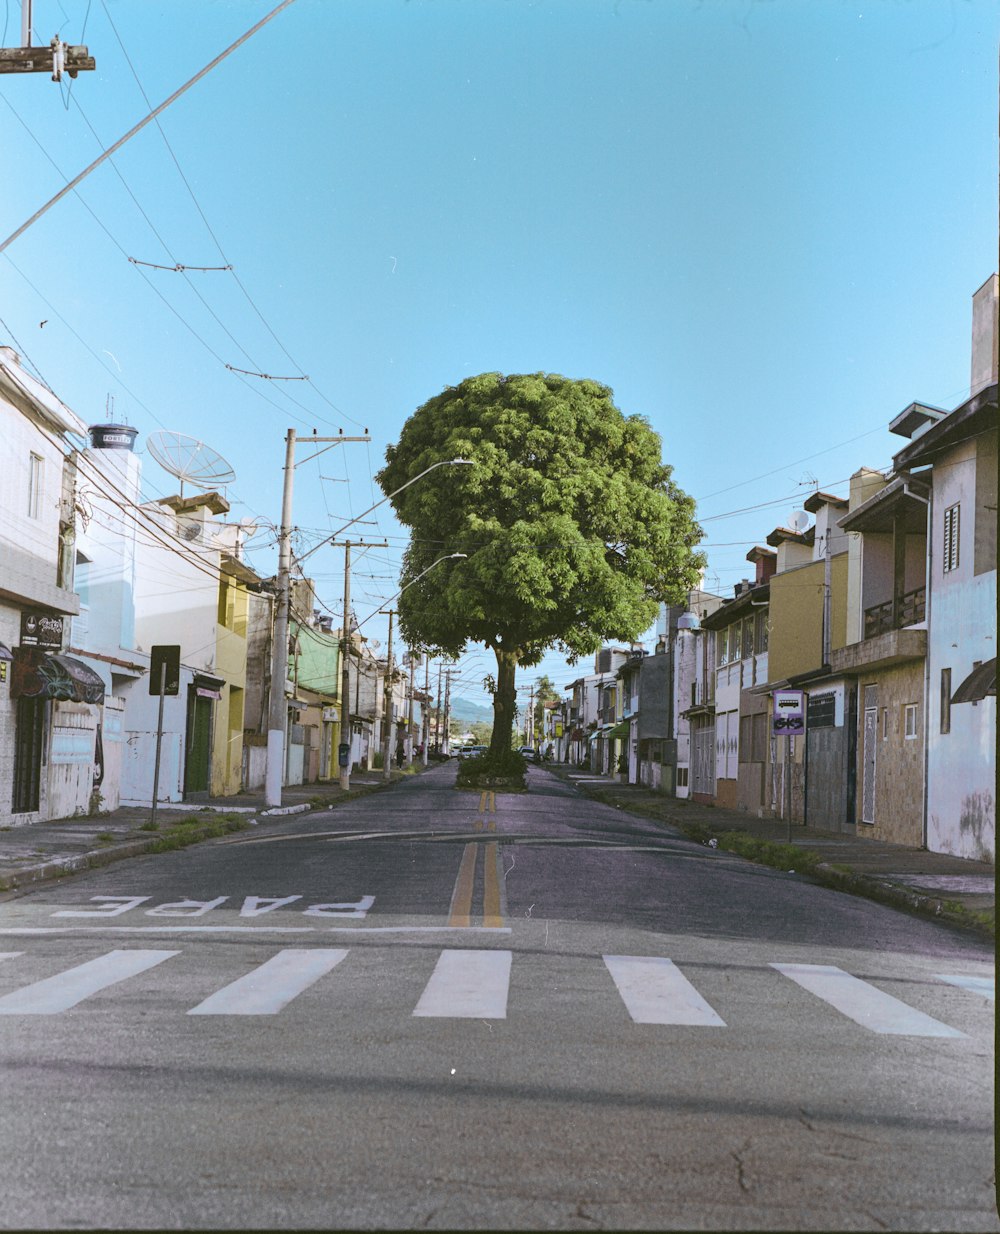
x=50 y=702
x=959 y=452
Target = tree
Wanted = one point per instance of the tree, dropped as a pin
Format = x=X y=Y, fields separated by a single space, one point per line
x=573 y=528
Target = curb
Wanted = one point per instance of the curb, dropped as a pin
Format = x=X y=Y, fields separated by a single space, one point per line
x=866 y=886
x=48 y=871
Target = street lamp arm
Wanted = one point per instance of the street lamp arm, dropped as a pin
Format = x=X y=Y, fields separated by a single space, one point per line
x=449 y=462
x=446 y=557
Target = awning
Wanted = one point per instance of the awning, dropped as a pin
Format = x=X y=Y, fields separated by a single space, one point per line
x=5 y=652
x=619 y=731
x=62 y=678
x=980 y=682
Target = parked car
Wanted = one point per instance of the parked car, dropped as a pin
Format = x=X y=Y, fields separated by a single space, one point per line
x=463 y=751
x=530 y=753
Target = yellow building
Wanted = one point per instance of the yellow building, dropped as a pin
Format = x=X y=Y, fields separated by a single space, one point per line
x=231 y=666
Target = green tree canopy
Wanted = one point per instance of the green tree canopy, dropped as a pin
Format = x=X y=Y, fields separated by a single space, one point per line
x=573 y=528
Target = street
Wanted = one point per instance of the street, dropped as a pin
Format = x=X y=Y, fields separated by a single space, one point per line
x=442 y=1009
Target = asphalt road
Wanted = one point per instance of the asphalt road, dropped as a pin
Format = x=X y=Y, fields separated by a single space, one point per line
x=438 y=1009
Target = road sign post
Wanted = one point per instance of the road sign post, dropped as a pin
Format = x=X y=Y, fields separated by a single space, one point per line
x=164 y=679
x=788 y=719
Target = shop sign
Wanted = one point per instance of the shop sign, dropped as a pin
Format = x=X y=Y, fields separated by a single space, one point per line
x=41 y=630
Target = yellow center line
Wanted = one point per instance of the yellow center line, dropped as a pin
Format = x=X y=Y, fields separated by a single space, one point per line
x=492 y=917
x=460 y=912
x=477 y=825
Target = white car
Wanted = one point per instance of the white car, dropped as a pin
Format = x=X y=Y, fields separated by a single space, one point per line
x=530 y=753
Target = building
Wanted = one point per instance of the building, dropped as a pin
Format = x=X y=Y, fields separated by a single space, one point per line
x=955 y=456
x=50 y=701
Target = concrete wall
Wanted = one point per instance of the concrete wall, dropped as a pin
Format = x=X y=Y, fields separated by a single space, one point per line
x=899 y=771
x=961 y=764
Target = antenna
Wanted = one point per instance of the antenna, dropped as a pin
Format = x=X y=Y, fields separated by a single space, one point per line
x=189 y=459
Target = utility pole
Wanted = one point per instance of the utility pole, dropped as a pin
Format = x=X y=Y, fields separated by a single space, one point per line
x=437 y=712
x=529 y=737
x=409 y=708
x=346 y=751
x=425 y=706
x=447 y=710
x=57 y=58
x=387 y=708
x=277 y=716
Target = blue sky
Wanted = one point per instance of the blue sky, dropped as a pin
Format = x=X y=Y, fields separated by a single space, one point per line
x=760 y=222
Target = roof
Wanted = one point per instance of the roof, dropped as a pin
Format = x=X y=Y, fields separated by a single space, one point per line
x=977 y=415
x=783 y=535
x=914 y=418
x=754 y=597
x=904 y=495
x=815 y=501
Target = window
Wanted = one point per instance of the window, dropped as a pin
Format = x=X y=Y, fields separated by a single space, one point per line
x=748 y=648
x=909 y=721
x=682 y=777
x=35 y=486
x=760 y=632
x=885 y=723
x=949 y=552
x=946 y=700
x=722 y=640
x=736 y=641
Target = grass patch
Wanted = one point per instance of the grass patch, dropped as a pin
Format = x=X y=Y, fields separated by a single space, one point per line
x=105 y=836
x=150 y=827
x=505 y=770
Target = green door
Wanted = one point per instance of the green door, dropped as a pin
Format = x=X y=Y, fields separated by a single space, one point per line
x=199 y=743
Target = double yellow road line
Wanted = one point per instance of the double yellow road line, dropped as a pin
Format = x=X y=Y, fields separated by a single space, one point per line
x=460 y=912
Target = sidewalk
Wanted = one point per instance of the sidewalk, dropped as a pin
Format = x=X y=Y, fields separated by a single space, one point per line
x=956 y=890
x=53 y=849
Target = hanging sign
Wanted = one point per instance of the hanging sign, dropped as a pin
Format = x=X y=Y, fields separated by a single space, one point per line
x=41 y=630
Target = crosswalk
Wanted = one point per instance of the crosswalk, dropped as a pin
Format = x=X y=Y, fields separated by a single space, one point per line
x=475 y=983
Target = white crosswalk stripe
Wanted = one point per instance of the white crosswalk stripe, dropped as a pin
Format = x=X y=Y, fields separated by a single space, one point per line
x=978 y=985
x=863 y=1003
x=65 y=990
x=468 y=984
x=655 y=991
x=272 y=985
x=475 y=984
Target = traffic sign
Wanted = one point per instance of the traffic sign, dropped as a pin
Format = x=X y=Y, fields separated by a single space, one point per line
x=788 y=712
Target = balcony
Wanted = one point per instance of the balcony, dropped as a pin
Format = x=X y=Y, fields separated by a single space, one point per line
x=882 y=618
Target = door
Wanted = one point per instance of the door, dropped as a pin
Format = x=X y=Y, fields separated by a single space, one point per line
x=868 y=755
x=199 y=743
x=29 y=745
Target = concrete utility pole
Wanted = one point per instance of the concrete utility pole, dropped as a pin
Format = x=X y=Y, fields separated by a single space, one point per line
x=437 y=711
x=447 y=712
x=277 y=715
x=425 y=706
x=346 y=737
x=409 y=707
x=387 y=708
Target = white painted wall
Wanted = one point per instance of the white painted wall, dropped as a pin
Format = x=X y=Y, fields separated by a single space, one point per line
x=961 y=764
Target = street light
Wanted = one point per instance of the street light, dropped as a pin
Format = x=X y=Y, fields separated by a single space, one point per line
x=449 y=462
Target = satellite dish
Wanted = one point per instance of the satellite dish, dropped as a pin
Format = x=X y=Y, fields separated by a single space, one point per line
x=799 y=521
x=189 y=459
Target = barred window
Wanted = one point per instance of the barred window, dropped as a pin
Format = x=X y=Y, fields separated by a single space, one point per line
x=949 y=554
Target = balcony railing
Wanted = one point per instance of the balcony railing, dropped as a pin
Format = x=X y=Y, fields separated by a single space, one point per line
x=880 y=619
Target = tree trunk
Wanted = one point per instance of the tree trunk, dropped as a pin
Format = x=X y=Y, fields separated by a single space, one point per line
x=504 y=701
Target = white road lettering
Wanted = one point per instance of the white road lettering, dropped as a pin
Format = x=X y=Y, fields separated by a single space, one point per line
x=186 y=908
x=256 y=906
x=353 y=909
x=116 y=906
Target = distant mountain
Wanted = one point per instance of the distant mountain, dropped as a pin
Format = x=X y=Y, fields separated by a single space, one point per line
x=465 y=709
